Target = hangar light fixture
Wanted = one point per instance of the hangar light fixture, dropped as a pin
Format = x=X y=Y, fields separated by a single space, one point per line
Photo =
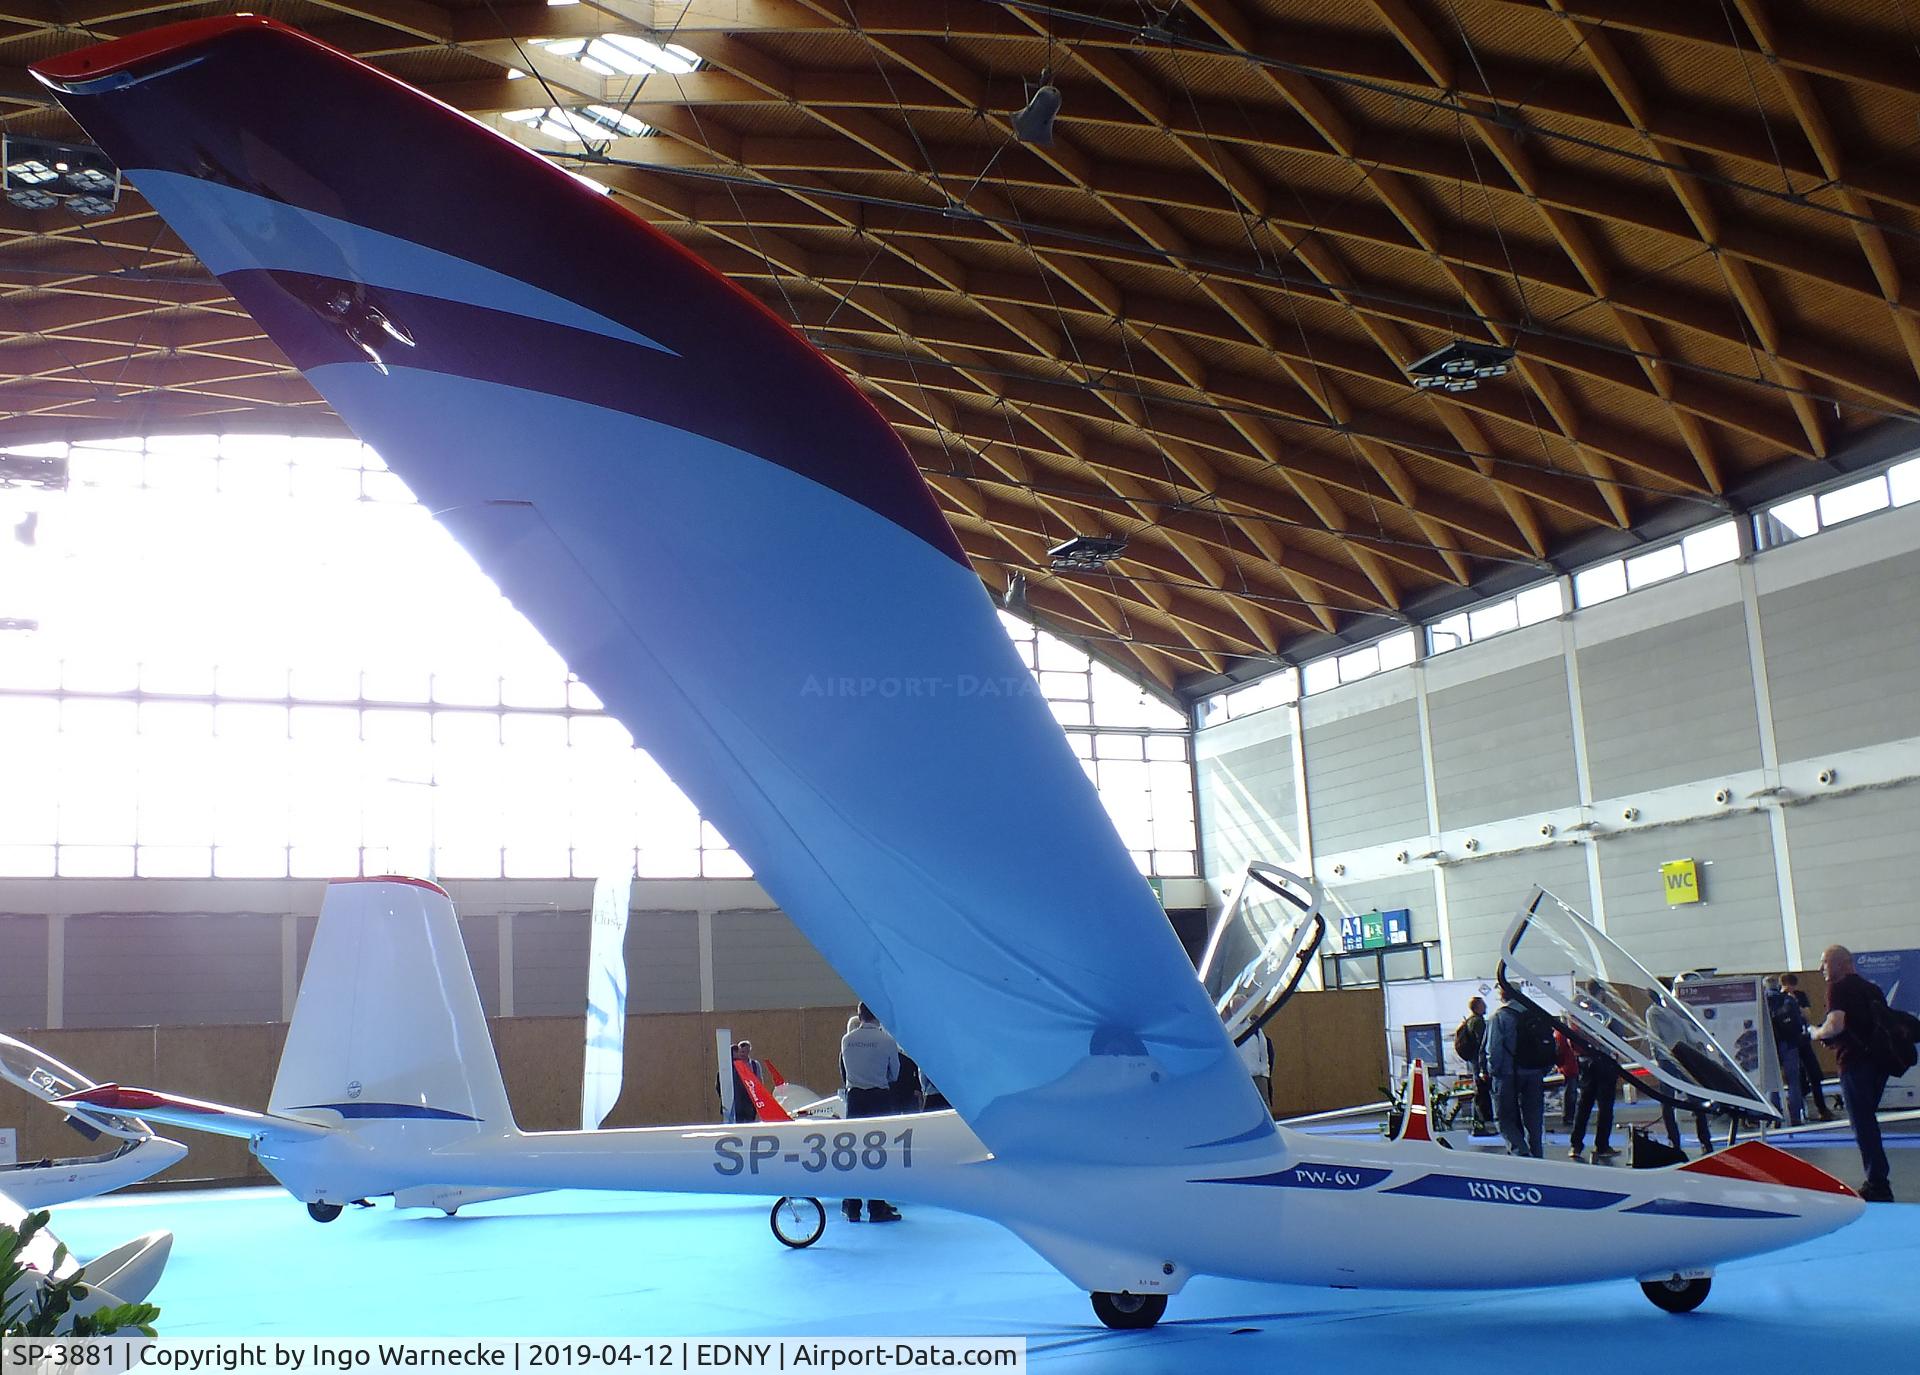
x=33 y=470
x=41 y=174
x=1461 y=366
x=1034 y=123
x=1085 y=553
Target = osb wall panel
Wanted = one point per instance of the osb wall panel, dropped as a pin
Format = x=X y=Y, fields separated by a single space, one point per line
x=669 y=1074
x=1329 y=1051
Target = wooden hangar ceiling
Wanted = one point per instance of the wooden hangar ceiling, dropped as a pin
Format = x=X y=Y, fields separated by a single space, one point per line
x=1185 y=322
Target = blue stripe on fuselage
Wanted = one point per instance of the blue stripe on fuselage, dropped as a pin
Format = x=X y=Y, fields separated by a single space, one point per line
x=1508 y=1191
x=1312 y=1176
x=1674 y=1207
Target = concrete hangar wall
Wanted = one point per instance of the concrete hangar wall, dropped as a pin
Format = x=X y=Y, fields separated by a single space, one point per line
x=1761 y=718
x=179 y=952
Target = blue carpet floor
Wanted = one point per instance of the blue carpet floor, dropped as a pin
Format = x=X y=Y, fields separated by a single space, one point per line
x=250 y=1263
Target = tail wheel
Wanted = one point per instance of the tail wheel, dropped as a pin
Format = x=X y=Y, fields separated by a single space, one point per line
x=797 y=1222
x=1677 y=1295
x=323 y=1212
x=1129 y=1310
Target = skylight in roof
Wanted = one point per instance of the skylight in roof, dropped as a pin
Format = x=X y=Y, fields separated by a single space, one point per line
x=614 y=121
x=594 y=124
x=550 y=120
x=645 y=56
x=619 y=54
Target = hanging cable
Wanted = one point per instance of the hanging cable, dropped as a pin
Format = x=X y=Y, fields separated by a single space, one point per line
x=1226 y=268
x=1497 y=115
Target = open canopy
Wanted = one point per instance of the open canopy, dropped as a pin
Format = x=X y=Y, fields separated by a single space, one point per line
x=1622 y=1011
x=1261 y=946
x=35 y=1072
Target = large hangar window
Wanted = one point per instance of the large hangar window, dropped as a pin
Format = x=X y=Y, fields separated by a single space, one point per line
x=259 y=657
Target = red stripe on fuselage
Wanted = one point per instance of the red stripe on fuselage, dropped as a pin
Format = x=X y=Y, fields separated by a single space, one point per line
x=1764 y=1164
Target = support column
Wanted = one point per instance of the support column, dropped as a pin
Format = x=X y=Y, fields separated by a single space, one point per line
x=289 y=964
x=56 y=970
x=1583 y=775
x=706 y=960
x=1769 y=749
x=1440 y=912
x=504 y=961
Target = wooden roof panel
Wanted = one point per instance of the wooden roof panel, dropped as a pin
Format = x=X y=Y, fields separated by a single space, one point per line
x=1184 y=322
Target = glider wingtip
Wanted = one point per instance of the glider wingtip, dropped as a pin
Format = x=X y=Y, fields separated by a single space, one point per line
x=122 y=55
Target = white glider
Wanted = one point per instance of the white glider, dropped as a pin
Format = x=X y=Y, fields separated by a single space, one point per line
x=135 y=1153
x=389 y=1083
x=126 y=1274
x=678 y=491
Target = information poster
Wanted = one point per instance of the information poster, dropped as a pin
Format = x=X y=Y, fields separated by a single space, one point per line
x=1733 y=1009
x=1442 y=1003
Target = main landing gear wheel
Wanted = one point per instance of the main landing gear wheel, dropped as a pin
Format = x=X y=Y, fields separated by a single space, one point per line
x=797 y=1222
x=1677 y=1295
x=324 y=1212
x=1129 y=1310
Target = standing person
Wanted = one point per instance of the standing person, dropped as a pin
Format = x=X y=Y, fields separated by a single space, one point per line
x=1519 y=1054
x=1854 y=1006
x=1599 y=1082
x=870 y=1065
x=1256 y=1053
x=1567 y=1061
x=743 y=1109
x=1789 y=1027
x=1470 y=1044
x=1812 y=1079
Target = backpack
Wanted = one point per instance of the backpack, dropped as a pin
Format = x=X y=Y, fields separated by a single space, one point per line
x=1533 y=1046
x=1889 y=1042
x=1465 y=1044
x=1789 y=1023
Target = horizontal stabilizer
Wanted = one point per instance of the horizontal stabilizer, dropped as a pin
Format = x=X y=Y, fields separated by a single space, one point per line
x=218 y=1119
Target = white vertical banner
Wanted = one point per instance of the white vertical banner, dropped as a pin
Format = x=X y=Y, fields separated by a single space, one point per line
x=606 y=994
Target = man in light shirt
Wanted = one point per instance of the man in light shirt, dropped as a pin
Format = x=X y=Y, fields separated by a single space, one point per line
x=869 y=1065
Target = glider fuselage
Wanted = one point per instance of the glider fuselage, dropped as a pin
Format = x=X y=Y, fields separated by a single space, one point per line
x=1306 y=1210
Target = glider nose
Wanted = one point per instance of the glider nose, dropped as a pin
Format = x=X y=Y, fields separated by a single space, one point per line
x=1764 y=1164
x=1825 y=1202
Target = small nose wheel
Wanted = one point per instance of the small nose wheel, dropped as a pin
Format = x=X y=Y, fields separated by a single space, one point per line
x=323 y=1212
x=797 y=1222
x=1129 y=1310
x=1677 y=1295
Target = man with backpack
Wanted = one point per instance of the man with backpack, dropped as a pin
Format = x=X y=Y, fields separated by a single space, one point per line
x=1470 y=1047
x=1812 y=1076
x=1789 y=1027
x=1520 y=1051
x=1873 y=1043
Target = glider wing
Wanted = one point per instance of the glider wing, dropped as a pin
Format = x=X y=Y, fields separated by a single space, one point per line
x=724 y=539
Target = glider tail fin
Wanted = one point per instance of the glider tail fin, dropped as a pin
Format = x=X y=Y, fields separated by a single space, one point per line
x=1414 y=1124
x=388 y=1027
x=765 y=1104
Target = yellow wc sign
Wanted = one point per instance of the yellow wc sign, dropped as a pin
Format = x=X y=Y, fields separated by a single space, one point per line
x=1682 y=881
